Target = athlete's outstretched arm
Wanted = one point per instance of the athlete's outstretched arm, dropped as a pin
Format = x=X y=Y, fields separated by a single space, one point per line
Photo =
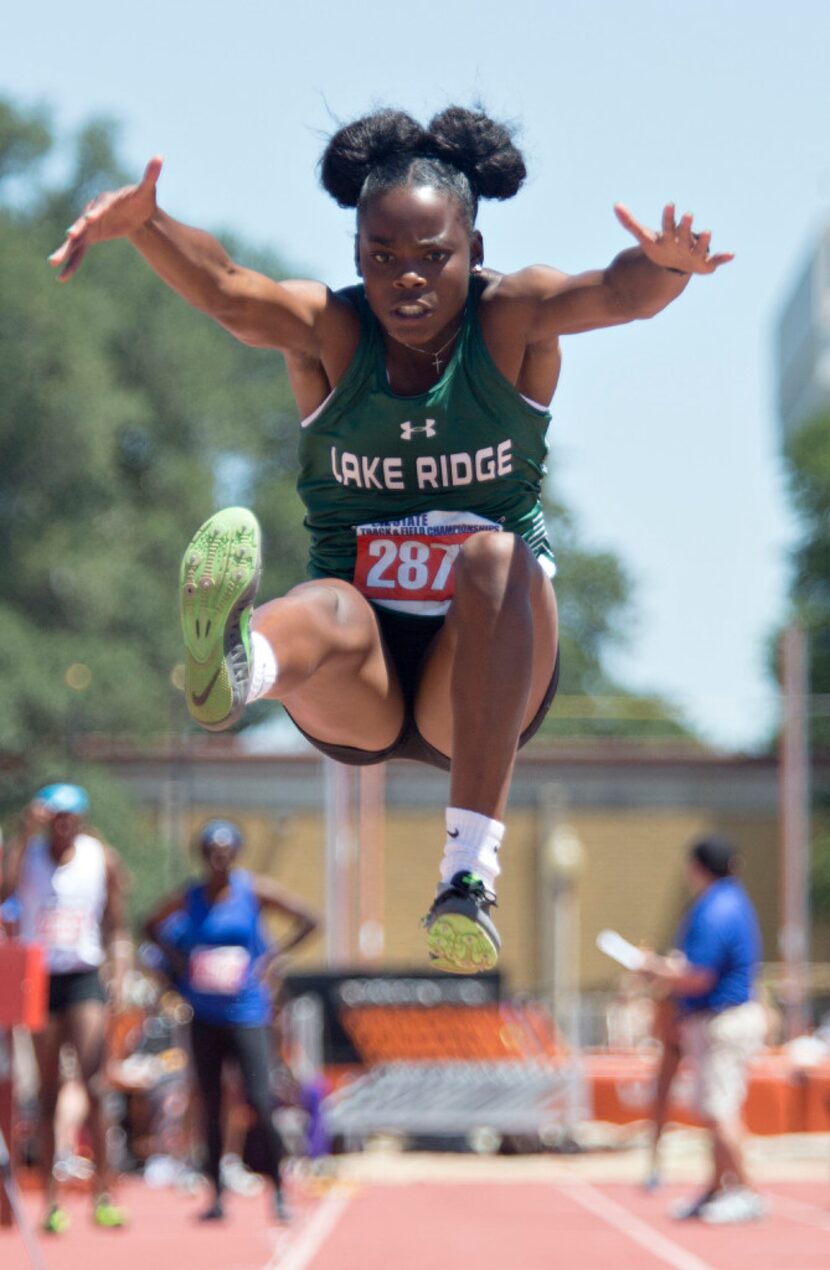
x=638 y=283
x=254 y=308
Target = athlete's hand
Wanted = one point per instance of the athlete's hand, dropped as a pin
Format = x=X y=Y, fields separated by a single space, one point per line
x=36 y=816
x=116 y=214
x=675 y=245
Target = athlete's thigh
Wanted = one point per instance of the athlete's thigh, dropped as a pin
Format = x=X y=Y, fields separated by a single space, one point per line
x=85 y=1024
x=433 y=701
x=349 y=693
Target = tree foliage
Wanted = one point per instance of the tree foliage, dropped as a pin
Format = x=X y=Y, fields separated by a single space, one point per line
x=808 y=468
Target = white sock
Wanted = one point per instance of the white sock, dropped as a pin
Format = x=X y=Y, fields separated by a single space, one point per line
x=472 y=846
x=263 y=667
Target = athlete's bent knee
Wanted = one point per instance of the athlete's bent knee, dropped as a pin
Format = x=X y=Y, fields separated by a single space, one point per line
x=491 y=560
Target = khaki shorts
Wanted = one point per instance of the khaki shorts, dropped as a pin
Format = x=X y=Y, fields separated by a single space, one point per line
x=722 y=1045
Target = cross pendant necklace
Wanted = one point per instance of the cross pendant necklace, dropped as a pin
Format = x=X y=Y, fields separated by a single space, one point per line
x=436 y=356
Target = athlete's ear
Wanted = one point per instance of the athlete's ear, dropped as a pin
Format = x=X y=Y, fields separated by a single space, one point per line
x=476 y=250
x=357 y=267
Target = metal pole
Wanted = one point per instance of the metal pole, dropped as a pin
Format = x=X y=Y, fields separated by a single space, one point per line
x=562 y=859
x=793 y=936
x=339 y=854
x=371 y=796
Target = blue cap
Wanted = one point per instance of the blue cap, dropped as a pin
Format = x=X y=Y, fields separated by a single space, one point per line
x=220 y=833
x=63 y=798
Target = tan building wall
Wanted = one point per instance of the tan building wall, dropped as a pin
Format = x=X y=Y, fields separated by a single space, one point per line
x=632 y=879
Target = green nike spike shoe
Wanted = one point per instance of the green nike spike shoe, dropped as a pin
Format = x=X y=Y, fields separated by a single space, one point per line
x=218 y=582
x=56 y=1221
x=107 y=1214
x=461 y=936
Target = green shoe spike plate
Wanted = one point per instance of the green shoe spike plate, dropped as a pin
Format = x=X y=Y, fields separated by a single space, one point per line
x=218 y=583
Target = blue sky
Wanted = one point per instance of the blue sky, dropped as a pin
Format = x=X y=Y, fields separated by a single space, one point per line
x=664 y=436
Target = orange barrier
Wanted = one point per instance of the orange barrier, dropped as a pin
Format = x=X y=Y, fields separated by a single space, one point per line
x=23 y=987
x=622 y=1090
x=817 y=1098
x=409 y=1033
x=23 y=984
x=775 y=1096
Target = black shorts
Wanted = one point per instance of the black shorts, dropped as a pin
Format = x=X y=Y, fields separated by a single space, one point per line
x=74 y=987
x=407 y=639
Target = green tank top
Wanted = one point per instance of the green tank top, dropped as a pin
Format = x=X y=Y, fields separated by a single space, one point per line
x=393 y=485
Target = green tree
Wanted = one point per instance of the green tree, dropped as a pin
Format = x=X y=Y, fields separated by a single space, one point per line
x=118 y=408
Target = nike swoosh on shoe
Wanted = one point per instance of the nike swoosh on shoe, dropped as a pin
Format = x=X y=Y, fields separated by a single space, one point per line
x=199 y=698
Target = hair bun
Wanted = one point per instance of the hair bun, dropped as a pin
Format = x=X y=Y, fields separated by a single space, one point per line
x=481 y=148
x=357 y=148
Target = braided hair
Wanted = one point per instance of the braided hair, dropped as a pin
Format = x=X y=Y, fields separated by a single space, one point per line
x=461 y=151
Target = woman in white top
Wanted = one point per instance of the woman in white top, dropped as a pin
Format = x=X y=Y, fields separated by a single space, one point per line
x=70 y=889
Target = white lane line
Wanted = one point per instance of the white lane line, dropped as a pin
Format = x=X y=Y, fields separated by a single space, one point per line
x=298 y=1253
x=639 y=1231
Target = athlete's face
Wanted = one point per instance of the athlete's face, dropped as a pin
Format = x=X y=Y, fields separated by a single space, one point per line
x=64 y=829
x=415 y=250
x=219 y=858
x=698 y=878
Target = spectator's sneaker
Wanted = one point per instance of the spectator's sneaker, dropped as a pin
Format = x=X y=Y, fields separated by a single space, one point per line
x=737 y=1204
x=461 y=936
x=237 y=1178
x=56 y=1221
x=690 y=1209
x=73 y=1168
x=218 y=582
x=107 y=1214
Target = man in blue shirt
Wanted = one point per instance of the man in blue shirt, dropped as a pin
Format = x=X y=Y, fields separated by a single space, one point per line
x=712 y=976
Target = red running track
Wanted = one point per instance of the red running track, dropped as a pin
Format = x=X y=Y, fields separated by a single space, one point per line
x=562 y=1223
x=573 y=1225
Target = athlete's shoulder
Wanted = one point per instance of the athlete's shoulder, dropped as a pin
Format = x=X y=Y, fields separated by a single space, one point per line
x=353 y=295
x=528 y=285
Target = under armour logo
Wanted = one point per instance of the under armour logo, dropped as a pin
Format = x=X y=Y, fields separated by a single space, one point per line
x=408 y=429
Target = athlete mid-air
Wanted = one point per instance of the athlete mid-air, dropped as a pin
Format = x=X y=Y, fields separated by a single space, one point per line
x=428 y=629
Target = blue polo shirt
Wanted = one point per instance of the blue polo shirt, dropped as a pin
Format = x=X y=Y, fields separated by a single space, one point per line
x=720 y=932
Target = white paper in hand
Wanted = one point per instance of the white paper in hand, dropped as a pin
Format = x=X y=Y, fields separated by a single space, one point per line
x=620 y=950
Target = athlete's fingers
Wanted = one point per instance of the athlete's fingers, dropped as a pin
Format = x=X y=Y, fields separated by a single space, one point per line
x=684 y=230
x=723 y=258
x=76 y=255
x=633 y=226
x=79 y=226
x=58 y=257
x=153 y=170
x=701 y=244
x=668 y=224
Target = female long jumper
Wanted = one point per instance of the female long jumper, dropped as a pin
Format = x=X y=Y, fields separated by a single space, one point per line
x=428 y=627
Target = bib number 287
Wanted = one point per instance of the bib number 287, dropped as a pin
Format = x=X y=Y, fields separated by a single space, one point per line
x=413 y=568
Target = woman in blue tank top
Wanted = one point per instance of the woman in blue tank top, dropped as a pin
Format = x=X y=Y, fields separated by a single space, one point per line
x=462 y=682
x=213 y=937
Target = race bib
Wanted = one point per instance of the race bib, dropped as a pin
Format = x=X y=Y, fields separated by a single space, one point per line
x=219 y=970
x=409 y=564
x=61 y=929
